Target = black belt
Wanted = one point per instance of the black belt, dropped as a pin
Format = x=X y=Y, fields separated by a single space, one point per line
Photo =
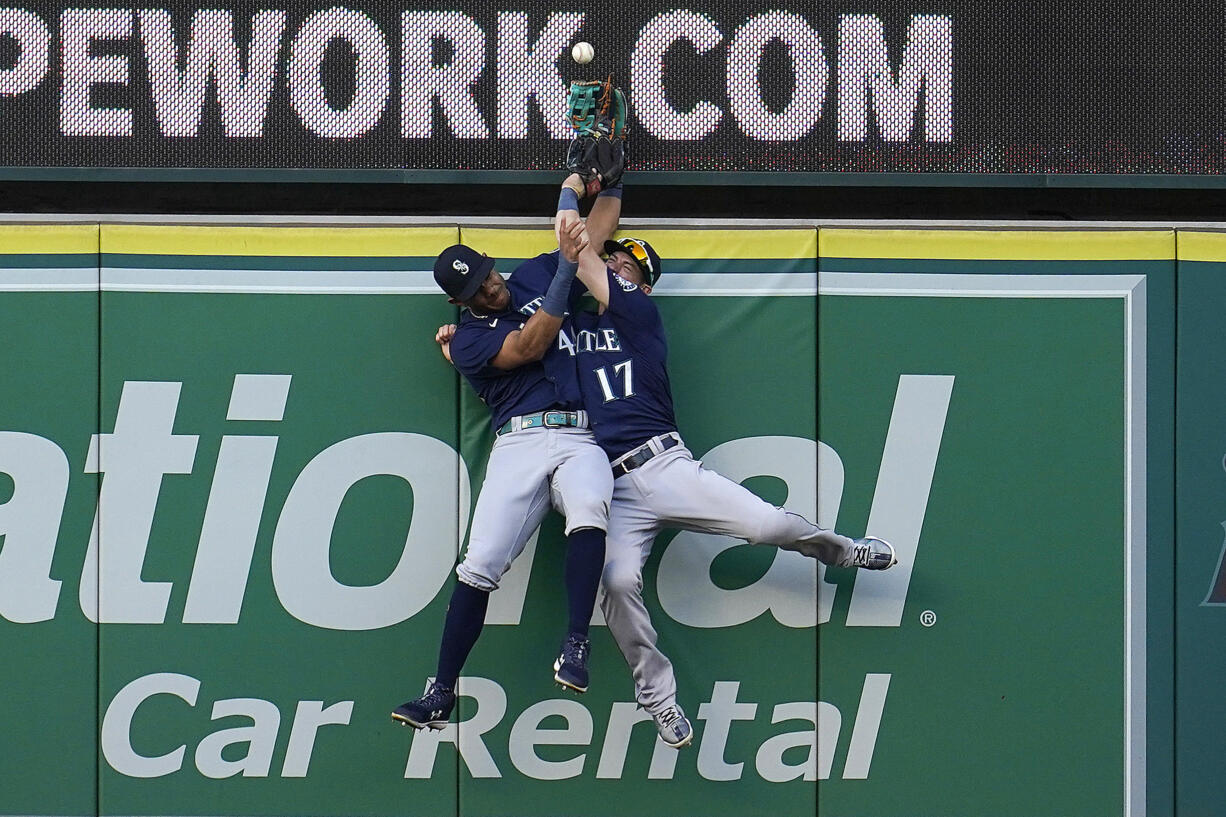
x=644 y=453
x=545 y=419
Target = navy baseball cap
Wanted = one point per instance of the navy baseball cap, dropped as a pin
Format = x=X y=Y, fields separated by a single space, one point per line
x=643 y=254
x=461 y=271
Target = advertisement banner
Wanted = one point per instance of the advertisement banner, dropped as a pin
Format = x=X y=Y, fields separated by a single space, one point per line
x=236 y=474
x=1005 y=399
x=1200 y=581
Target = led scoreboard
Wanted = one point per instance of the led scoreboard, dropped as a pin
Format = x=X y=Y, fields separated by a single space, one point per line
x=728 y=86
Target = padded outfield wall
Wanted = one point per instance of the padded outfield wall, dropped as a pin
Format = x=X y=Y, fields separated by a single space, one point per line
x=235 y=475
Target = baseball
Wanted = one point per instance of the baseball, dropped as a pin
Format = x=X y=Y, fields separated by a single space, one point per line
x=582 y=53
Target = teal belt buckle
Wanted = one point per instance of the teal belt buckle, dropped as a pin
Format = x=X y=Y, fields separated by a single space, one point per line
x=555 y=419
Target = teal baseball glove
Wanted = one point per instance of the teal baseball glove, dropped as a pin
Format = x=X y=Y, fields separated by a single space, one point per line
x=597 y=113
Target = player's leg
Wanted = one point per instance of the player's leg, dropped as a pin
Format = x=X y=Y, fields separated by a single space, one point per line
x=632 y=530
x=581 y=487
x=461 y=629
x=697 y=498
x=513 y=500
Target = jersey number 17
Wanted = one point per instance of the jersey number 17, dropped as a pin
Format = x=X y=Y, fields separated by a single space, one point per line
x=607 y=385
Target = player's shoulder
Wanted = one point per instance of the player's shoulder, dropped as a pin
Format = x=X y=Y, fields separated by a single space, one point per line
x=626 y=295
x=473 y=326
x=477 y=338
x=546 y=263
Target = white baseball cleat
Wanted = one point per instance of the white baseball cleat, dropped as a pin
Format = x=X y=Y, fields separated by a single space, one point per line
x=871 y=553
x=674 y=727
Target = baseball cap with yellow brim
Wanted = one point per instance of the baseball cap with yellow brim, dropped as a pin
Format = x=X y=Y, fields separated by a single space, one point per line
x=643 y=254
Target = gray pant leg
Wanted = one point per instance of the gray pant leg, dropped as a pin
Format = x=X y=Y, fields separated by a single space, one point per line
x=582 y=484
x=514 y=499
x=791 y=531
x=692 y=497
x=632 y=530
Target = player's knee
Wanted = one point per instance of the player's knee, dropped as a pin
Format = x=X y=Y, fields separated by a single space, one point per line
x=761 y=534
x=771 y=527
x=622 y=578
x=782 y=527
x=477 y=576
x=587 y=509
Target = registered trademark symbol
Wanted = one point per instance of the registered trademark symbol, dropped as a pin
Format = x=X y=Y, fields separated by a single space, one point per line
x=928 y=618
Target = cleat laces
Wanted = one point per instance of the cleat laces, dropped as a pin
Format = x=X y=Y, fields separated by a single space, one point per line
x=576 y=651
x=436 y=698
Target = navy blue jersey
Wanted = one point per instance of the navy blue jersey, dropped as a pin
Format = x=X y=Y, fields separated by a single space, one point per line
x=549 y=383
x=622 y=357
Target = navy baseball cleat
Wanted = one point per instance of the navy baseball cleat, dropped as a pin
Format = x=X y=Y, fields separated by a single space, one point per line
x=871 y=553
x=674 y=727
x=431 y=710
x=570 y=670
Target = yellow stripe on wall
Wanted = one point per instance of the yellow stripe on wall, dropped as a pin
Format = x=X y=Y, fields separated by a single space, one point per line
x=1002 y=245
x=327 y=242
x=694 y=243
x=501 y=242
x=49 y=239
x=697 y=243
x=1201 y=246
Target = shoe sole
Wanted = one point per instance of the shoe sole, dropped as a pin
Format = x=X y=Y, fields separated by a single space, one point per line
x=405 y=721
x=680 y=744
x=562 y=682
x=893 y=555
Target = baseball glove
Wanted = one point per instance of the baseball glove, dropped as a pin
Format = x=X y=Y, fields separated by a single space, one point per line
x=597 y=113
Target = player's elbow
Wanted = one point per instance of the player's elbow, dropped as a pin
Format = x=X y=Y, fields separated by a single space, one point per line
x=534 y=354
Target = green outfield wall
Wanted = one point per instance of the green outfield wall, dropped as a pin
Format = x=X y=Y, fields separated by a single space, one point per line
x=1200 y=505
x=235 y=476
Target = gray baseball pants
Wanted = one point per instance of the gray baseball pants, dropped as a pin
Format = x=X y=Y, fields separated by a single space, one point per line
x=528 y=472
x=673 y=490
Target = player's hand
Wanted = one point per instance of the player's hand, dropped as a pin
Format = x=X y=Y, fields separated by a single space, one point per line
x=564 y=222
x=575 y=182
x=443 y=338
x=572 y=236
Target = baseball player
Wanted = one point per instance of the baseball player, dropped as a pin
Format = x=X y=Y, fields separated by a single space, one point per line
x=622 y=357
x=509 y=346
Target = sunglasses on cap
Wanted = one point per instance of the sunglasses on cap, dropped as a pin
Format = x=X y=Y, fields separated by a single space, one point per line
x=639 y=252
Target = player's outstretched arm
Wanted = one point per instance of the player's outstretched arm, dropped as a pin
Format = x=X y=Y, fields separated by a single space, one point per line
x=532 y=341
x=591 y=270
x=606 y=212
x=594 y=275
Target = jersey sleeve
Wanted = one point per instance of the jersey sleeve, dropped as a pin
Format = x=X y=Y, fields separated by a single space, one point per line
x=535 y=273
x=477 y=343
